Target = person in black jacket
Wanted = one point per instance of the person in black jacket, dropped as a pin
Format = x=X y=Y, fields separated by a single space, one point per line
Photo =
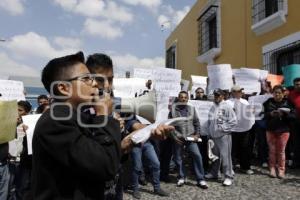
x=74 y=156
x=278 y=114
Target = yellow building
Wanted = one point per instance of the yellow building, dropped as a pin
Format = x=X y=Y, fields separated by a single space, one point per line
x=262 y=34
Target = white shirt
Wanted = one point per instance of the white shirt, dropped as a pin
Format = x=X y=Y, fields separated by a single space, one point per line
x=244 y=113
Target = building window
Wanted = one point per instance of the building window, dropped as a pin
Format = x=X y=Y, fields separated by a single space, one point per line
x=268 y=15
x=171 y=57
x=262 y=9
x=286 y=55
x=208 y=30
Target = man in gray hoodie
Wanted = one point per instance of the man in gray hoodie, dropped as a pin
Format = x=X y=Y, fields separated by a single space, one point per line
x=221 y=120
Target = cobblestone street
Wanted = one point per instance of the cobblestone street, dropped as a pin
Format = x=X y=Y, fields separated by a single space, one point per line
x=246 y=187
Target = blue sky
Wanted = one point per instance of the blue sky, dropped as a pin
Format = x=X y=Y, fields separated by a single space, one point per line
x=128 y=30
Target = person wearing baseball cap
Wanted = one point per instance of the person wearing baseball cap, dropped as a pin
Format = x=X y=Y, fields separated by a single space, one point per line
x=241 y=149
x=221 y=120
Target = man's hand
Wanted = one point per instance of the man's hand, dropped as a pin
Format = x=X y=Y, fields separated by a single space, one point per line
x=121 y=120
x=126 y=144
x=162 y=132
x=103 y=105
x=276 y=113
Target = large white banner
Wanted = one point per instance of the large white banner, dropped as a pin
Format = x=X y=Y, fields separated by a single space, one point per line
x=11 y=90
x=220 y=76
x=129 y=87
x=202 y=111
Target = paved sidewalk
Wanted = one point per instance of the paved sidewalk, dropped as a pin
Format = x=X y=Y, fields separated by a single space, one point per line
x=246 y=187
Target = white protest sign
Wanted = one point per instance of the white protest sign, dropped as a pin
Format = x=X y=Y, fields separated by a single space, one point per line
x=167 y=81
x=30 y=121
x=202 y=110
x=263 y=74
x=199 y=80
x=248 y=79
x=11 y=90
x=250 y=87
x=249 y=73
x=220 y=76
x=184 y=85
x=128 y=87
x=143 y=73
x=162 y=108
x=245 y=117
x=257 y=104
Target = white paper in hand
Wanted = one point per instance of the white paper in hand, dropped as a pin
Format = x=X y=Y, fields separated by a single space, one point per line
x=144 y=134
x=30 y=121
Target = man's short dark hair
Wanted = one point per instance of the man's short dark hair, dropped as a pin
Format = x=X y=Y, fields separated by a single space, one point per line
x=183 y=92
x=279 y=87
x=26 y=105
x=42 y=96
x=98 y=61
x=58 y=69
x=296 y=80
x=199 y=88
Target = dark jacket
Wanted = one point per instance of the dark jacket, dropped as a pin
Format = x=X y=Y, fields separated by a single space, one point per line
x=189 y=127
x=278 y=124
x=73 y=162
x=3 y=153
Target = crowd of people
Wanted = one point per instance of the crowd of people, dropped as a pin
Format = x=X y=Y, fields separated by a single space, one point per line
x=82 y=146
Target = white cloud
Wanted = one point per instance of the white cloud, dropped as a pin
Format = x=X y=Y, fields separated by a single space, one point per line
x=97 y=8
x=90 y=8
x=146 y=3
x=129 y=60
x=117 y=13
x=103 y=29
x=66 y=42
x=14 y=7
x=164 y=22
x=35 y=45
x=180 y=14
x=171 y=18
x=10 y=67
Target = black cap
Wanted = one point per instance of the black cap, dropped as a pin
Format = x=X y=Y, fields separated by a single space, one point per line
x=218 y=91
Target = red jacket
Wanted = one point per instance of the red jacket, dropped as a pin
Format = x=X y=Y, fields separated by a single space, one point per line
x=294 y=97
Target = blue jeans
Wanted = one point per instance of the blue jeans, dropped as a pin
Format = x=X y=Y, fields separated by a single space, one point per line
x=4 y=181
x=197 y=159
x=148 y=151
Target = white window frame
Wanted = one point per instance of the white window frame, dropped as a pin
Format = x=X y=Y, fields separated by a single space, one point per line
x=271 y=22
x=209 y=56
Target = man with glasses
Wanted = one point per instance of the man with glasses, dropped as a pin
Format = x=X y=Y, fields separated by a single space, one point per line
x=200 y=94
x=74 y=156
